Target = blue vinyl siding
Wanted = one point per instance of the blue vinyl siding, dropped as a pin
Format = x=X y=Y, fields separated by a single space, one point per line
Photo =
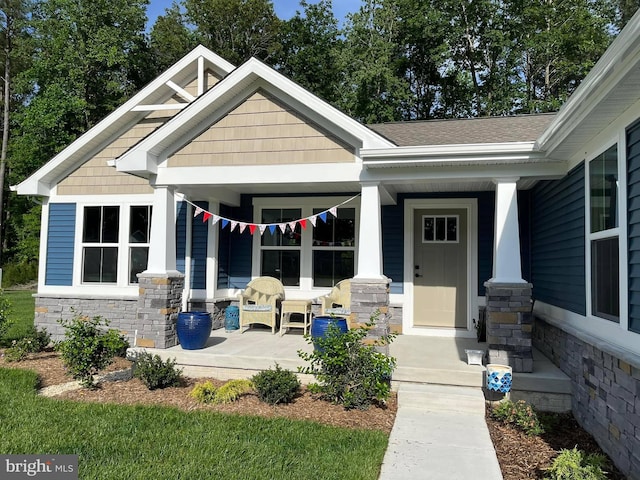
x=557 y=242
x=393 y=246
x=60 y=244
x=181 y=236
x=234 y=265
x=199 y=240
x=633 y=219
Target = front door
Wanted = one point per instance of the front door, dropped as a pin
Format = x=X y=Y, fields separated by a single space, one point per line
x=440 y=268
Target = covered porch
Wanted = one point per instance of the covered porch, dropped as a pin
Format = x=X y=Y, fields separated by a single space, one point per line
x=420 y=359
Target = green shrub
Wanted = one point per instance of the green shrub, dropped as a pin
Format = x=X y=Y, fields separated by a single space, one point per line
x=21 y=273
x=116 y=342
x=520 y=414
x=5 y=310
x=233 y=390
x=156 y=373
x=576 y=465
x=349 y=372
x=86 y=348
x=276 y=386
x=36 y=341
x=204 y=392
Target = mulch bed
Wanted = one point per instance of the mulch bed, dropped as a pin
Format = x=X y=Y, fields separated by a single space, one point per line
x=523 y=457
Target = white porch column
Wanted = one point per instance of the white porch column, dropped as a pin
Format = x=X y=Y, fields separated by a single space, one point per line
x=162 y=247
x=370 y=236
x=506 y=249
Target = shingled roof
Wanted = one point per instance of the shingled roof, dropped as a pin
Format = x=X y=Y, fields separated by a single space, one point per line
x=517 y=128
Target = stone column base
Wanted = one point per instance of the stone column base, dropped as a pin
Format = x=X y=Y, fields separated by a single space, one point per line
x=159 y=301
x=509 y=325
x=369 y=296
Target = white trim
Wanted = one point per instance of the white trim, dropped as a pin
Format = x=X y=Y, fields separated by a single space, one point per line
x=471 y=206
x=44 y=236
x=181 y=91
x=213 y=241
x=159 y=106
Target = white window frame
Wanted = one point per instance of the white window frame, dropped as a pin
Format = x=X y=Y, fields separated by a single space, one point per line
x=122 y=286
x=307 y=205
x=335 y=248
x=618 y=232
x=131 y=245
x=99 y=244
x=290 y=248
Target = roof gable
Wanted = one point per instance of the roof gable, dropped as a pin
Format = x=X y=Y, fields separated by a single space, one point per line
x=215 y=104
x=169 y=93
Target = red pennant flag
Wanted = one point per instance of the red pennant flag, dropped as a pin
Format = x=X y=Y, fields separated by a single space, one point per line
x=206 y=216
x=303 y=223
x=252 y=228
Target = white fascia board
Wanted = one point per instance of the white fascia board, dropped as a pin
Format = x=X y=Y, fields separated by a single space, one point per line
x=236 y=86
x=489 y=153
x=260 y=174
x=140 y=163
x=38 y=182
x=622 y=56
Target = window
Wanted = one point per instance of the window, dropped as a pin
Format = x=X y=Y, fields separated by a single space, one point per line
x=334 y=247
x=280 y=252
x=604 y=235
x=439 y=229
x=317 y=256
x=100 y=244
x=139 y=234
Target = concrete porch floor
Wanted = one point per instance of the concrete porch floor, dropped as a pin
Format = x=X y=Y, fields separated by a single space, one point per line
x=431 y=360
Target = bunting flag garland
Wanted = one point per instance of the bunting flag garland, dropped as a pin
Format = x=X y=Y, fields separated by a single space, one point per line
x=262 y=227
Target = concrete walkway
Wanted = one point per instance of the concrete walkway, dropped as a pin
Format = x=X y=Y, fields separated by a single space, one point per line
x=440 y=433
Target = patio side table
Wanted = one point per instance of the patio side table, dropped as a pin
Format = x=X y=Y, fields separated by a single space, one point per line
x=302 y=307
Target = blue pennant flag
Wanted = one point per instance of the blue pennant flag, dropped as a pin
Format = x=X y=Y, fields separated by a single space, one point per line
x=272 y=228
x=225 y=222
x=323 y=217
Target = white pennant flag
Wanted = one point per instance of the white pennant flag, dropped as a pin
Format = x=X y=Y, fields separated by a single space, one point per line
x=283 y=227
x=262 y=228
x=242 y=226
x=313 y=219
x=197 y=212
x=292 y=226
x=234 y=224
x=214 y=219
x=334 y=211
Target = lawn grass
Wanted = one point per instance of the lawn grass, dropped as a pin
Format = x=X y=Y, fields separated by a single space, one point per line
x=142 y=442
x=22 y=314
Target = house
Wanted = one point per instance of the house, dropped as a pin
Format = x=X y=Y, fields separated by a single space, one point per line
x=213 y=175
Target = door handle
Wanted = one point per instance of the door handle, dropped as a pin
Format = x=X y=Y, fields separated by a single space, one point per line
x=418 y=275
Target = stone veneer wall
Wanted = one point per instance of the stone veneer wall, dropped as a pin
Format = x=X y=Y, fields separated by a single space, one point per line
x=509 y=325
x=159 y=302
x=606 y=389
x=120 y=311
x=367 y=297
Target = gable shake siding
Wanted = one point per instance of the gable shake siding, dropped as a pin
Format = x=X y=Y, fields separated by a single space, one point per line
x=60 y=244
x=633 y=219
x=557 y=242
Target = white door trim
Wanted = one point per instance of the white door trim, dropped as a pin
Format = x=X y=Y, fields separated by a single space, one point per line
x=471 y=206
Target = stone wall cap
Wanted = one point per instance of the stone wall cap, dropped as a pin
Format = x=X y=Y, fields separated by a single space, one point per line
x=490 y=283
x=89 y=296
x=167 y=274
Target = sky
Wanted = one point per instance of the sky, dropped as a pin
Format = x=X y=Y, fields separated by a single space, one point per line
x=285 y=9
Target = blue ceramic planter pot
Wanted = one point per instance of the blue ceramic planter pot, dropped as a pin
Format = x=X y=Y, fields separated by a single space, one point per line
x=193 y=329
x=320 y=325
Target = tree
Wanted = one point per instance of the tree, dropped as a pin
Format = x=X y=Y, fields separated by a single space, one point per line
x=236 y=29
x=170 y=38
x=373 y=91
x=311 y=49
